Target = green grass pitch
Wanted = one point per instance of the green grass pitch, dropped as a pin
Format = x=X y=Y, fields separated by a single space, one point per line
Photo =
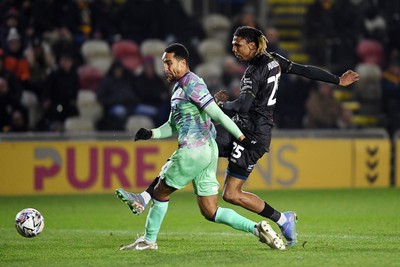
x=335 y=228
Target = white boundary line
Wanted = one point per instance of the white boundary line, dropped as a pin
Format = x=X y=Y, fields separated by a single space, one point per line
x=163 y=233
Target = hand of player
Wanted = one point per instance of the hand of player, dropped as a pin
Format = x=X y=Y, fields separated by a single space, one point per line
x=221 y=97
x=348 y=78
x=143 y=134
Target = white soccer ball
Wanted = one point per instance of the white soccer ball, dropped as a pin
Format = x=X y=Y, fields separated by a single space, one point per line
x=29 y=222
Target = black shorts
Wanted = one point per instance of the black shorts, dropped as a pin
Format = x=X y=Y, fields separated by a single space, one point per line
x=241 y=160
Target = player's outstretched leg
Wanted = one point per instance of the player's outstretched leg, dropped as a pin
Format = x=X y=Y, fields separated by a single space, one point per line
x=289 y=228
x=269 y=236
x=135 y=201
x=140 y=244
x=262 y=230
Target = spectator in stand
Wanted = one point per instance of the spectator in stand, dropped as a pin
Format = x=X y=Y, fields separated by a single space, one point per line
x=13 y=82
x=60 y=95
x=14 y=60
x=116 y=93
x=152 y=92
x=11 y=20
x=41 y=61
x=62 y=41
x=324 y=111
x=71 y=17
x=13 y=116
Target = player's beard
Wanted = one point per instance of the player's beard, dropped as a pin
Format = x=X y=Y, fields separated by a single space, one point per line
x=170 y=78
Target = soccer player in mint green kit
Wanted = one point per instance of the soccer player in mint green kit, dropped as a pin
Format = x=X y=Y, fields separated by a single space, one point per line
x=195 y=160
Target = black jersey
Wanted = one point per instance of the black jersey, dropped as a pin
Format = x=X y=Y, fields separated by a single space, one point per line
x=260 y=80
x=254 y=108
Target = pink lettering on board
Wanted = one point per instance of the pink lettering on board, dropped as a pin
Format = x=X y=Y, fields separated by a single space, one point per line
x=141 y=165
x=118 y=170
x=71 y=169
x=41 y=173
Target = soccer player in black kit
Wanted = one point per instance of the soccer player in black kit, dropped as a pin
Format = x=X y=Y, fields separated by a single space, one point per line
x=253 y=113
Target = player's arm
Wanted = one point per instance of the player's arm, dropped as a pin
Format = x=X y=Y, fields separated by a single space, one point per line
x=213 y=110
x=247 y=94
x=240 y=105
x=315 y=73
x=164 y=131
x=216 y=114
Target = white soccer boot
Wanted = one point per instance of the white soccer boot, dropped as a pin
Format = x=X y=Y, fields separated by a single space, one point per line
x=140 y=244
x=269 y=236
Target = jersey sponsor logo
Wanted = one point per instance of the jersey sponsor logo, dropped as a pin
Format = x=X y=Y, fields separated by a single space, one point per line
x=246 y=80
x=246 y=84
x=272 y=64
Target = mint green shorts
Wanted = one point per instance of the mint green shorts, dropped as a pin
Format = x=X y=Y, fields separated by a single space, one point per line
x=197 y=165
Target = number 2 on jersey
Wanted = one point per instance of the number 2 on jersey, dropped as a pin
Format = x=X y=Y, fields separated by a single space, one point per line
x=275 y=80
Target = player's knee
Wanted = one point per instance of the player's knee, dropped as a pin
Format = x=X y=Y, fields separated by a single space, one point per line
x=229 y=197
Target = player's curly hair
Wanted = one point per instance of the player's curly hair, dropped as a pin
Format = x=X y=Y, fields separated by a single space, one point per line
x=251 y=34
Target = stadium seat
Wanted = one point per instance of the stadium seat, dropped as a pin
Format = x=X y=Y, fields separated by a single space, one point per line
x=97 y=54
x=135 y=122
x=217 y=26
x=89 y=77
x=128 y=52
x=155 y=48
x=208 y=71
x=212 y=50
x=88 y=106
x=371 y=52
x=78 y=125
x=211 y=74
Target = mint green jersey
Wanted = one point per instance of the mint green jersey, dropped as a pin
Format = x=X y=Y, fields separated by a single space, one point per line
x=190 y=96
x=196 y=158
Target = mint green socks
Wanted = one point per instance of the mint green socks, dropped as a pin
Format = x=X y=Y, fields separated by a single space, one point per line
x=234 y=220
x=223 y=215
x=154 y=220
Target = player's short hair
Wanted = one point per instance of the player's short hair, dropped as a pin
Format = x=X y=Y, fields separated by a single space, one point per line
x=251 y=34
x=179 y=50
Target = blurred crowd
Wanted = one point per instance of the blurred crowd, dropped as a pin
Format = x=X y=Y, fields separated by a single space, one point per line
x=85 y=65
